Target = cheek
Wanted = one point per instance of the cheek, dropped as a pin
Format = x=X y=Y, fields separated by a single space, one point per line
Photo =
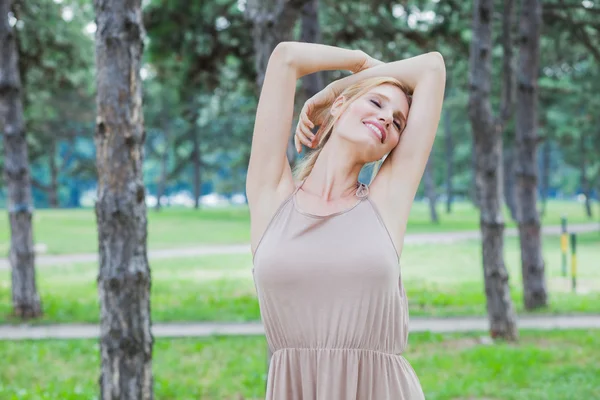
x=394 y=141
x=349 y=121
x=360 y=109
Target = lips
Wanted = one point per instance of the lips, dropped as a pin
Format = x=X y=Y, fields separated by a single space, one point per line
x=377 y=128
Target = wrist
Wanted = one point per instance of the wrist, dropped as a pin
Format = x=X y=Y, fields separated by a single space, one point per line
x=361 y=60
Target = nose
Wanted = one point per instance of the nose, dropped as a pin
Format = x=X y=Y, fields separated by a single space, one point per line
x=386 y=119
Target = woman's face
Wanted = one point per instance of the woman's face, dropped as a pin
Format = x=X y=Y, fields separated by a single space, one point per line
x=374 y=121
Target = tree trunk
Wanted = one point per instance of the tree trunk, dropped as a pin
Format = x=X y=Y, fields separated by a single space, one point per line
x=545 y=174
x=53 y=189
x=584 y=182
x=488 y=153
x=509 y=183
x=196 y=165
x=429 y=183
x=449 y=160
x=124 y=277
x=25 y=298
x=311 y=33
x=272 y=22
x=162 y=183
x=475 y=189
x=532 y=263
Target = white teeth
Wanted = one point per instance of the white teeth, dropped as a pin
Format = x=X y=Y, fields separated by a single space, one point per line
x=374 y=129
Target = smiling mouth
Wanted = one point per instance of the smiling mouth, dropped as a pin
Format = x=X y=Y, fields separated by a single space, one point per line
x=375 y=130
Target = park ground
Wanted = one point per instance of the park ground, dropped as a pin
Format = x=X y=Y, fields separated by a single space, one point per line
x=447 y=282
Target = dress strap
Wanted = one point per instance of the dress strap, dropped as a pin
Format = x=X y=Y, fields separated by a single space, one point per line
x=299 y=186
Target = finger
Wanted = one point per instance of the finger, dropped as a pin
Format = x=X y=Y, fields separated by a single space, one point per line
x=307 y=133
x=301 y=127
x=312 y=137
x=302 y=137
x=297 y=144
x=305 y=112
x=304 y=118
x=306 y=129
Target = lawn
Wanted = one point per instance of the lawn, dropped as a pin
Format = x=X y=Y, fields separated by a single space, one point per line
x=543 y=365
x=444 y=282
x=73 y=231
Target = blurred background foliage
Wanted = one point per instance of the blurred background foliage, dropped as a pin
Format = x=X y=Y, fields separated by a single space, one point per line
x=200 y=93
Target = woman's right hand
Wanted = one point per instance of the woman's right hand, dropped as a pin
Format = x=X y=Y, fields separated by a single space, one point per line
x=313 y=114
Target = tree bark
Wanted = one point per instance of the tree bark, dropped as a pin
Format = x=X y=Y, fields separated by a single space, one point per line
x=545 y=174
x=196 y=165
x=53 y=192
x=164 y=173
x=429 y=183
x=25 y=299
x=475 y=189
x=532 y=263
x=311 y=33
x=509 y=183
x=488 y=156
x=272 y=22
x=449 y=160
x=584 y=182
x=124 y=277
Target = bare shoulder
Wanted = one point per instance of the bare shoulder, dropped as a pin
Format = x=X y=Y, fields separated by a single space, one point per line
x=264 y=206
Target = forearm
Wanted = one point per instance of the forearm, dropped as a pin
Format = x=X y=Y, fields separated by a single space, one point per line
x=307 y=58
x=408 y=71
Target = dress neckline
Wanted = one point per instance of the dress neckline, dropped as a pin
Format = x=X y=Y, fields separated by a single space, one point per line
x=362 y=192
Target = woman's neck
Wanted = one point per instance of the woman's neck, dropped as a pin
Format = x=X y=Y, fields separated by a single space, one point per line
x=334 y=175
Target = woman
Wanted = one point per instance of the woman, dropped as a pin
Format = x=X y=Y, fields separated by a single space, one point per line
x=326 y=250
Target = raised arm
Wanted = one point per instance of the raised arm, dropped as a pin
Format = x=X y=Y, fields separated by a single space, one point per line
x=268 y=169
x=403 y=169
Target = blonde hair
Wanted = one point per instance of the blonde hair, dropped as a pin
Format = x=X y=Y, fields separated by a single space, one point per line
x=304 y=167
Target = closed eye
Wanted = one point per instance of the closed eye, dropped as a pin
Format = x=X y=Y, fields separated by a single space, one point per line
x=398 y=126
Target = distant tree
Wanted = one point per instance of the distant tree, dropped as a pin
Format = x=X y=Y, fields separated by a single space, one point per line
x=449 y=156
x=487 y=131
x=532 y=262
x=56 y=66
x=25 y=298
x=430 y=192
x=191 y=44
x=124 y=277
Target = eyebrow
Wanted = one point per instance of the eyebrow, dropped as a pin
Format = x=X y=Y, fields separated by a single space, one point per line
x=397 y=114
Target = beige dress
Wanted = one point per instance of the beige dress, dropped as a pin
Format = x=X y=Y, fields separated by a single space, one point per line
x=333 y=306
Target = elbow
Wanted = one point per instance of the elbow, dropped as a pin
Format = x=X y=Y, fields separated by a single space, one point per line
x=436 y=61
x=437 y=66
x=283 y=53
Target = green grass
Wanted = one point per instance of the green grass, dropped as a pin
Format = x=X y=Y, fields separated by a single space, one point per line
x=74 y=231
x=449 y=280
x=183 y=289
x=543 y=365
x=440 y=280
